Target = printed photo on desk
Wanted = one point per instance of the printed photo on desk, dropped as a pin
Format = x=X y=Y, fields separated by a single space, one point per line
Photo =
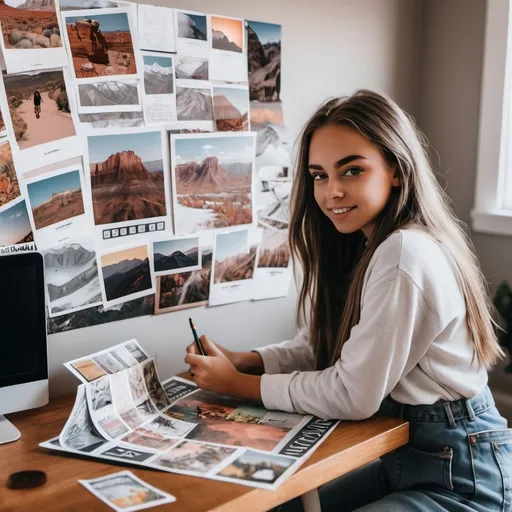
x=31 y=35
x=57 y=207
x=212 y=180
x=129 y=185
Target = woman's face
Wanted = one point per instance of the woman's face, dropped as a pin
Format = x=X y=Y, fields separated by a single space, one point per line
x=351 y=179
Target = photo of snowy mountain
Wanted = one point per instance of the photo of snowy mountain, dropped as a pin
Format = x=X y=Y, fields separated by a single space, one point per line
x=71 y=276
x=192 y=68
x=194 y=104
x=103 y=94
x=158 y=75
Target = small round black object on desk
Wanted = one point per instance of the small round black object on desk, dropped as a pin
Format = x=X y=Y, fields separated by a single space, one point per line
x=26 y=479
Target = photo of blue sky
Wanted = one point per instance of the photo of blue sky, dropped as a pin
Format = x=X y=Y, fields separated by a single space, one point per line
x=14 y=224
x=238 y=97
x=199 y=21
x=226 y=149
x=165 y=62
x=148 y=146
x=167 y=247
x=231 y=244
x=41 y=191
x=108 y=22
x=266 y=32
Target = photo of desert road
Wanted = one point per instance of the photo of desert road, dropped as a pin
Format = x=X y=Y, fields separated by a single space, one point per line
x=56 y=199
x=127 y=177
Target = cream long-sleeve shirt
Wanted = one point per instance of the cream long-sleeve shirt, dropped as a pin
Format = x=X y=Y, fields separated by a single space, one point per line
x=411 y=341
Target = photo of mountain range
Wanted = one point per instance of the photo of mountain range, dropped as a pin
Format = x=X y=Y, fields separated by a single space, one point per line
x=194 y=104
x=227 y=34
x=192 y=68
x=76 y=5
x=127 y=177
x=56 y=198
x=103 y=94
x=191 y=26
x=126 y=273
x=231 y=108
x=71 y=277
x=213 y=181
x=234 y=259
x=158 y=75
x=176 y=255
x=274 y=250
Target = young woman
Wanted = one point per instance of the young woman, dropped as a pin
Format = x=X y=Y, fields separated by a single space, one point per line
x=399 y=319
x=37 y=102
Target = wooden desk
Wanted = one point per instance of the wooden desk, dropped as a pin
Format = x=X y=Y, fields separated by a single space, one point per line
x=351 y=445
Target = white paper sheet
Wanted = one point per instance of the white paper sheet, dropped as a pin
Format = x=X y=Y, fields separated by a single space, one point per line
x=111 y=96
x=156 y=28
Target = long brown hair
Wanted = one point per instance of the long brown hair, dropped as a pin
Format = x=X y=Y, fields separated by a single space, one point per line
x=334 y=264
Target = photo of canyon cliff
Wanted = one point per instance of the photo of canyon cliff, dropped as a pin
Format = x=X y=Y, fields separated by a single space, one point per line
x=194 y=104
x=127 y=177
x=30 y=24
x=234 y=259
x=126 y=273
x=9 y=186
x=71 y=277
x=176 y=255
x=231 y=109
x=186 y=289
x=264 y=57
x=101 y=45
x=56 y=199
x=227 y=34
x=213 y=178
x=53 y=121
x=15 y=225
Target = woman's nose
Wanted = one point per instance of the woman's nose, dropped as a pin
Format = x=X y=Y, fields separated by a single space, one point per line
x=335 y=190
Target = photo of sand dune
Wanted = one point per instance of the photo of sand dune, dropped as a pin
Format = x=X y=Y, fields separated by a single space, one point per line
x=56 y=199
x=30 y=24
x=127 y=177
x=191 y=26
x=15 y=225
x=194 y=104
x=34 y=124
x=231 y=108
x=192 y=68
x=184 y=290
x=175 y=255
x=213 y=181
x=234 y=259
x=9 y=186
x=126 y=272
x=101 y=45
x=105 y=94
x=227 y=34
x=158 y=75
x=274 y=249
x=264 y=57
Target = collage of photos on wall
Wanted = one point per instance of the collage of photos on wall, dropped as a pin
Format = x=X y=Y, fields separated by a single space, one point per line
x=143 y=152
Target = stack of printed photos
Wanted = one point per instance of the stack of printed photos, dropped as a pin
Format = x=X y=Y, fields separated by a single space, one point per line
x=123 y=412
x=143 y=151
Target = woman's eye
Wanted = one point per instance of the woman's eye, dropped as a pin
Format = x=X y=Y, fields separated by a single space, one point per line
x=355 y=171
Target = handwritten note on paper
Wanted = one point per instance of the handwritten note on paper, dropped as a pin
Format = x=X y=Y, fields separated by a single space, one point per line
x=156 y=28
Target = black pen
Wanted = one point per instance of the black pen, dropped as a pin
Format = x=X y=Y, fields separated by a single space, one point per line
x=196 y=338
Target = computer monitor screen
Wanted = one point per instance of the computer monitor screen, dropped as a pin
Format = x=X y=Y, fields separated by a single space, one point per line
x=23 y=351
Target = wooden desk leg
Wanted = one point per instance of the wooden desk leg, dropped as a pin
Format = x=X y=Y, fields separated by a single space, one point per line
x=311 y=501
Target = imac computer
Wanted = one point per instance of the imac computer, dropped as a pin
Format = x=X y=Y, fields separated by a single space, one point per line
x=23 y=344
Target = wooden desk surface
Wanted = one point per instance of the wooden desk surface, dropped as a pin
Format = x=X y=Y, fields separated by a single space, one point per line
x=352 y=444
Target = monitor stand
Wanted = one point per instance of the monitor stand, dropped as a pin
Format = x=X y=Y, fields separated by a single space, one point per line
x=8 y=432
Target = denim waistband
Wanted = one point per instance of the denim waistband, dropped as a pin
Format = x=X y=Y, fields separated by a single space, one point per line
x=440 y=411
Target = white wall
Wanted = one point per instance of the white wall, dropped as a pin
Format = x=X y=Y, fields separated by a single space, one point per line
x=329 y=48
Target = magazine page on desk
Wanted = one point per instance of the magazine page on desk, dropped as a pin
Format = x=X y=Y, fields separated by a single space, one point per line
x=156 y=28
x=37 y=113
x=31 y=35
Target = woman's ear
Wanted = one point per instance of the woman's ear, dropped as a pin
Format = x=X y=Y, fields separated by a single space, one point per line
x=395 y=182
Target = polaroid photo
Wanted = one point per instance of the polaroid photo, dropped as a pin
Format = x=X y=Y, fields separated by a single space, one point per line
x=231 y=108
x=125 y=492
x=264 y=74
x=9 y=184
x=102 y=45
x=125 y=274
x=129 y=182
x=228 y=57
x=15 y=226
x=71 y=277
x=159 y=88
x=109 y=96
x=234 y=261
x=212 y=180
x=40 y=122
x=57 y=207
x=31 y=36
x=156 y=28
x=176 y=255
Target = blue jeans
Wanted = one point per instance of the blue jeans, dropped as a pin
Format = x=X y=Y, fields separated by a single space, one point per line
x=459 y=458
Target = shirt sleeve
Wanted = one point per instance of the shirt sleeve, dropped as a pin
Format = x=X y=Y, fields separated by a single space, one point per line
x=395 y=330
x=289 y=355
